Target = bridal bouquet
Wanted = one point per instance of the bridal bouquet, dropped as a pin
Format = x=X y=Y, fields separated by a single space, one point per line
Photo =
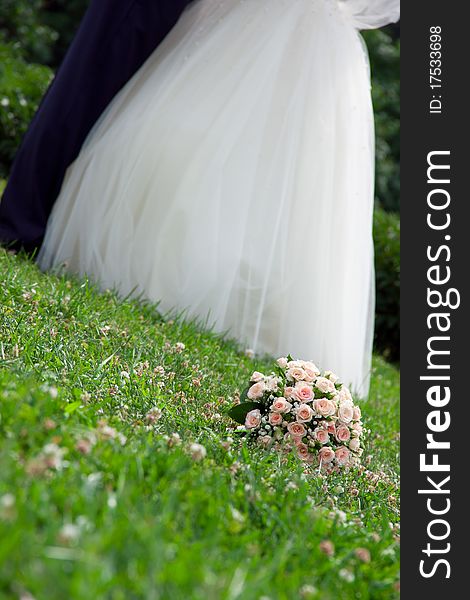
x=300 y=409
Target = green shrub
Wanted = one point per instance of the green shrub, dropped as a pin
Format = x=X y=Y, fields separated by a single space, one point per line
x=63 y=17
x=21 y=23
x=384 y=52
x=387 y=266
x=22 y=86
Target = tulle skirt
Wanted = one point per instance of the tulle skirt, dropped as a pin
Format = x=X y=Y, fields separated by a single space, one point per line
x=232 y=178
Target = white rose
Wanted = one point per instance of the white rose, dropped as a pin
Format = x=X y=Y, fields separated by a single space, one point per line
x=272 y=384
x=256 y=390
x=306 y=364
x=346 y=411
x=296 y=373
x=354 y=444
x=257 y=376
x=324 y=385
x=344 y=395
x=331 y=376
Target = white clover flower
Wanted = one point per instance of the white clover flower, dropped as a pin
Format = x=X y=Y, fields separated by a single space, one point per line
x=153 y=415
x=237 y=515
x=347 y=575
x=69 y=533
x=198 y=452
x=7 y=501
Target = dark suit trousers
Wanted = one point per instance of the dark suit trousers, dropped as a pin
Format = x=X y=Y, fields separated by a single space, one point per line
x=113 y=41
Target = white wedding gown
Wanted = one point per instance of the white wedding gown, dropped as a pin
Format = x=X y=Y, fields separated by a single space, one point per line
x=233 y=178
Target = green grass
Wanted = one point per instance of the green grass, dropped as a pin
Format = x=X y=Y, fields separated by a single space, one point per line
x=107 y=516
x=2 y=186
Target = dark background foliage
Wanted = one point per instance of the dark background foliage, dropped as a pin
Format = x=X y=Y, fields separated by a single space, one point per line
x=384 y=52
x=387 y=273
x=34 y=35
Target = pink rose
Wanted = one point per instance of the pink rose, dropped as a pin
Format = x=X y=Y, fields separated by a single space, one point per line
x=354 y=444
x=257 y=376
x=321 y=435
x=303 y=392
x=302 y=451
x=280 y=405
x=326 y=454
x=309 y=375
x=304 y=413
x=325 y=385
x=265 y=441
x=256 y=390
x=296 y=429
x=253 y=419
x=288 y=392
x=282 y=362
x=296 y=373
x=275 y=419
x=345 y=412
x=307 y=364
x=356 y=413
x=342 y=455
x=332 y=428
x=342 y=433
x=324 y=407
x=357 y=429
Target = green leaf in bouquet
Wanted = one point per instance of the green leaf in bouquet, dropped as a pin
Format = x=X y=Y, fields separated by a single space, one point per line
x=280 y=372
x=244 y=394
x=239 y=411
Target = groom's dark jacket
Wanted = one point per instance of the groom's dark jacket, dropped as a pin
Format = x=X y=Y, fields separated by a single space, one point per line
x=113 y=41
